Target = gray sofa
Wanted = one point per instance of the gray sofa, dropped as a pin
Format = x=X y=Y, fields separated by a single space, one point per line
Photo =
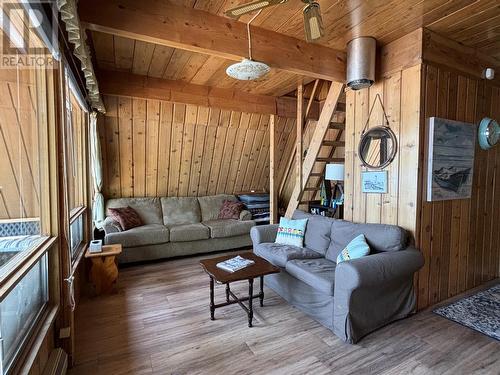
x=355 y=297
x=177 y=226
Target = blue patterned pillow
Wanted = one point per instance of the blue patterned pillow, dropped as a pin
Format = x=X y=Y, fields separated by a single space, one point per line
x=357 y=248
x=291 y=232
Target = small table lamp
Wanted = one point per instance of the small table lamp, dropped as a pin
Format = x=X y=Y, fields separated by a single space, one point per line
x=335 y=172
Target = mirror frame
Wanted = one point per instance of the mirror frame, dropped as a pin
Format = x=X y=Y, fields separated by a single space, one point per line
x=393 y=153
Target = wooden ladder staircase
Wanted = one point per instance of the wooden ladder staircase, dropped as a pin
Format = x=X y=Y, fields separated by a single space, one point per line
x=314 y=162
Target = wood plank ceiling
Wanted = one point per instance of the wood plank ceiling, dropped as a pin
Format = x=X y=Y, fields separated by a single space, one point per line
x=471 y=22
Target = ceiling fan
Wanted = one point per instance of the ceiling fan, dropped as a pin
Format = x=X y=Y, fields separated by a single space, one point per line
x=313 y=24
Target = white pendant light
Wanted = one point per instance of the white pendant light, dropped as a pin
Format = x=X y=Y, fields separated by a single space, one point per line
x=248 y=69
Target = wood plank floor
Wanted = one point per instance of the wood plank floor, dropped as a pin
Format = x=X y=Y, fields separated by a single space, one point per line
x=158 y=323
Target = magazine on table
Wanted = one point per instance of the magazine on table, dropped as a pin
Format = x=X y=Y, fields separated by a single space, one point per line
x=235 y=264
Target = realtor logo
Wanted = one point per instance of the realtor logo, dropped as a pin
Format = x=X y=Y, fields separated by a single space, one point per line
x=29 y=34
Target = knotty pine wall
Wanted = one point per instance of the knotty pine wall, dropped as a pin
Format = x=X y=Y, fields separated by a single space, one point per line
x=399 y=92
x=459 y=239
x=158 y=148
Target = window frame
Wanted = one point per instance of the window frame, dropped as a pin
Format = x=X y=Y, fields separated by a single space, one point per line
x=71 y=88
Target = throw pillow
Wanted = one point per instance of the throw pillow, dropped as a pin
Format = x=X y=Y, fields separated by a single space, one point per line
x=291 y=232
x=126 y=216
x=357 y=248
x=231 y=210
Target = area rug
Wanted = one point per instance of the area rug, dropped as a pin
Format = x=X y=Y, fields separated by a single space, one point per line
x=480 y=312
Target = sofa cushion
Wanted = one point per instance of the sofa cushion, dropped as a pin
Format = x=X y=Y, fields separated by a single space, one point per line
x=189 y=232
x=318 y=231
x=127 y=217
x=357 y=248
x=149 y=234
x=149 y=209
x=228 y=227
x=318 y=273
x=230 y=210
x=279 y=254
x=210 y=205
x=380 y=237
x=180 y=210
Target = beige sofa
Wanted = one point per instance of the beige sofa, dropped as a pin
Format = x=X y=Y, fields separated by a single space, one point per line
x=176 y=226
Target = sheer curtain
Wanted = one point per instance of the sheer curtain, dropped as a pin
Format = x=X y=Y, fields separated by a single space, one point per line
x=95 y=147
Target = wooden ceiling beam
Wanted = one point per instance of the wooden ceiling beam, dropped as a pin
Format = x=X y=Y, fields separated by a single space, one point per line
x=126 y=84
x=190 y=29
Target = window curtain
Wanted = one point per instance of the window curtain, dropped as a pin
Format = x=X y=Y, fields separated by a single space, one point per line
x=95 y=147
x=77 y=36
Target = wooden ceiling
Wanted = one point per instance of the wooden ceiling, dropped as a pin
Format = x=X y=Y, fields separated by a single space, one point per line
x=154 y=60
x=474 y=23
x=471 y=22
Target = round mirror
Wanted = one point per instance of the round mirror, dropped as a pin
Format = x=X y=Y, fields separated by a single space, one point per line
x=377 y=147
x=489 y=133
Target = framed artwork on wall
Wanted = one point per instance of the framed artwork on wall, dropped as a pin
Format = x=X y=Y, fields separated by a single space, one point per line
x=374 y=182
x=450 y=159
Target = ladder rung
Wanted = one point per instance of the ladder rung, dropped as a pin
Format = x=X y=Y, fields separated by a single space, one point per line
x=310 y=189
x=331 y=160
x=316 y=175
x=337 y=125
x=304 y=202
x=334 y=143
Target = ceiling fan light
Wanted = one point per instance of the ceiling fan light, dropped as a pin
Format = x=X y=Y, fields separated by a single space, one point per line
x=247 y=70
x=313 y=23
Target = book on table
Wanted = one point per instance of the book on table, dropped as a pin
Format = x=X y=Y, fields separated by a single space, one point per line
x=235 y=264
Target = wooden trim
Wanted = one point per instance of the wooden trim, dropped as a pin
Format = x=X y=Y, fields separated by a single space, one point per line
x=28 y=356
x=298 y=134
x=400 y=54
x=273 y=193
x=13 y=276
x=441 y=51
x=75 y=213
x=199 y=31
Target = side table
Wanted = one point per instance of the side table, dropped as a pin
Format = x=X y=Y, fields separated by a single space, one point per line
x=104 y=271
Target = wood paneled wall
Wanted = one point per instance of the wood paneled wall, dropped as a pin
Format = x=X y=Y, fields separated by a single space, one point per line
x=158 y=148
x=20 y=184
x=399 y=92
x=459 y=239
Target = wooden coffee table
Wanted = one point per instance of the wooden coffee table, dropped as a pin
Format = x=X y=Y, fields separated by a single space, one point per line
x=260 y=268
x=104 y=271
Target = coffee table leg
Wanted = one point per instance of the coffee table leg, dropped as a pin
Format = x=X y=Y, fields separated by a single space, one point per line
x=227 y=292
x=250 y=298
x=212 y=304
x=261 y=295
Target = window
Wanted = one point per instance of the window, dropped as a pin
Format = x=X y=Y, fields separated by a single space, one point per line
x=77 y=122
x=20 y=226
x=20 y=310
x=27 y=102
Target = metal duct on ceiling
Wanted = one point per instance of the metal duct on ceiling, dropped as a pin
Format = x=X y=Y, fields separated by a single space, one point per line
x=361 y=62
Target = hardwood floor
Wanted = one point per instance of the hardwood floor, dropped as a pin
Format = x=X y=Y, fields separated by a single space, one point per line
x=158 y=323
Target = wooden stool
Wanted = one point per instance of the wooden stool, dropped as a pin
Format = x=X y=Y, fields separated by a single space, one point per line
x=104 y=271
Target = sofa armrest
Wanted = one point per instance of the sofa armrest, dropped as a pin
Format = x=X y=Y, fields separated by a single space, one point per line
x=245 y=215
x=377 y=269
x=373 y=291
x=111 y=226
x=264 y=233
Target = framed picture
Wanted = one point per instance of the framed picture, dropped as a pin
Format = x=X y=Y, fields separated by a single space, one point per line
x=450 y=159
x=374 y=182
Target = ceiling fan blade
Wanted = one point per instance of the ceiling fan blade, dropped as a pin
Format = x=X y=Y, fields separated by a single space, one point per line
x=240 y=10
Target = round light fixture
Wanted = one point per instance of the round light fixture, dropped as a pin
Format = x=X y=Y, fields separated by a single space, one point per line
x=247 y=70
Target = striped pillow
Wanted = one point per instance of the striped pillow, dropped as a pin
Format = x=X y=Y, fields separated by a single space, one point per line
x=291 y=232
